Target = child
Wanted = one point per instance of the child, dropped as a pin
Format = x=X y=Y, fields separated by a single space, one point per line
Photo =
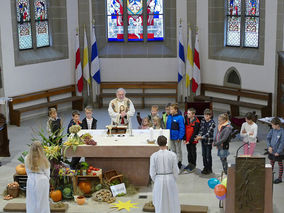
x=89 y=122
x=54 y=125
x=156 y=122
x=165 y=116
x=275 y=145
x=191 y=130
x=249 y=134
x=154 y=112
x=38 y=171
x=145 y=123
x=206 y=134
x=222 y=139
x=75 y=120
x=175 y=124
x=164 y=176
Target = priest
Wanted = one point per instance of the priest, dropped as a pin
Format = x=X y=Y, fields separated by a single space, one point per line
x=121 y=109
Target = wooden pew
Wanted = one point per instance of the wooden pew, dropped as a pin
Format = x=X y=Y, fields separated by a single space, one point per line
x=237 y=94
x=45 y=95
x=142 y=87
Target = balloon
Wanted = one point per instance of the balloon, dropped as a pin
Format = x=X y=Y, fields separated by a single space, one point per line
x=212 y=182
x=224 y=182
x=221 y=198
x=220 y=190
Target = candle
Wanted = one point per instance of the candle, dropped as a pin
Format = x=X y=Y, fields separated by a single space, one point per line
x=151 y=133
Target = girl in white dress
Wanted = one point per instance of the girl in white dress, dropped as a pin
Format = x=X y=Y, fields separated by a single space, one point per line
x=38 y=171
x=249 y=134
x=164 y=172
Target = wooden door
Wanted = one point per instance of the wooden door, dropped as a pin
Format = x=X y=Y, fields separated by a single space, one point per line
x=280 y=85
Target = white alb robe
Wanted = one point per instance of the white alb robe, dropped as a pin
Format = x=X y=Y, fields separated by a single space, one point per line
x=37 y=194
x=164 y=172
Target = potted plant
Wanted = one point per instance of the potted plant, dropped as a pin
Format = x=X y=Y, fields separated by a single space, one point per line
x=80 y=200
x=84 y=168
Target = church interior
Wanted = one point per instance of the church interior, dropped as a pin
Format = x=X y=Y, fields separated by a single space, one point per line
x=120 y=62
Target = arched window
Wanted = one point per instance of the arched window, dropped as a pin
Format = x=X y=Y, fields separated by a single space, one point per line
x=32 y=18
x=232 y=78
x=133 y=16
x=242 y=23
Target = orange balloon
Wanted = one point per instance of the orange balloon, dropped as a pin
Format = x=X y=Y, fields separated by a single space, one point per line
x=220 y=190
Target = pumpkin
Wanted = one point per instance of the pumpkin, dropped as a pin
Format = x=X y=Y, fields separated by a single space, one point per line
x=85 y=187
x=21 y=169
x=56 y=195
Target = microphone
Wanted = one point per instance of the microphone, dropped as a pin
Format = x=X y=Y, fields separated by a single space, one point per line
x=237 y=152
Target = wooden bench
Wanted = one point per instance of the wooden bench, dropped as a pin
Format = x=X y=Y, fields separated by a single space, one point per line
x=237 y=94
x=142 y=87
x=45 y=95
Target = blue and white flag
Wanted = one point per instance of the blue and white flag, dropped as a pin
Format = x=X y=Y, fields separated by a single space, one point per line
x=95 y=62
x=181 y=58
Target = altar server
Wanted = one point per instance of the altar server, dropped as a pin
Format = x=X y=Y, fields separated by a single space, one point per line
x=38 y=171
x=164 y=172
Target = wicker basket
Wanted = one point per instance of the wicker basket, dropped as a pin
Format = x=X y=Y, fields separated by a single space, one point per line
x=14 y=192
x=112 y=175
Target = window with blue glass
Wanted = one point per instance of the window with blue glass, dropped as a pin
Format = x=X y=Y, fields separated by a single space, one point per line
x=242 y=23
x=32 y=14
x=135 y=12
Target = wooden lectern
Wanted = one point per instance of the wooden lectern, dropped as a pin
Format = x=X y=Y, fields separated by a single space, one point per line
x=249 y=186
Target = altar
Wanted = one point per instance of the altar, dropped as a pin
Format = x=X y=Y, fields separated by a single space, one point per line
x=125 y=153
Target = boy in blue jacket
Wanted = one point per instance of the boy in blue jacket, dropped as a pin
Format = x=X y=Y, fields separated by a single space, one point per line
x=275 y=145
x=175 y=124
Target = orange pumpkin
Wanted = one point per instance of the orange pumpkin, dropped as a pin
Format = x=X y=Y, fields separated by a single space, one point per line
x=21 y=169
x=85 y=187
x=56 y=195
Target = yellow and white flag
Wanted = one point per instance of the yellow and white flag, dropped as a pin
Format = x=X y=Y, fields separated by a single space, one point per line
x=189 y=60
x=86 y=69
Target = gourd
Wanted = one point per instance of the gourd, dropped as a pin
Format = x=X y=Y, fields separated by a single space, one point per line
x=21 y=169
x=85 y=187
x=56 y=195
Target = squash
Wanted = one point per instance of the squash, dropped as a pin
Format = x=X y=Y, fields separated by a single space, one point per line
x=56 y=195
x=85 y=187
x=21 y=169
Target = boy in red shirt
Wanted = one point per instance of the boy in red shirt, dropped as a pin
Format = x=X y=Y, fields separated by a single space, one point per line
x=191 y=130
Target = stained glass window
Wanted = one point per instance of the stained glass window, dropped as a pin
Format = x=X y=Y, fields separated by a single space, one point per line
x=155 y=20
x=135 y=20
x=24 y=24
x=135 y=10
x=42 y=35
x=115 y=20
x=41 y=19
x=234 y=31
x=23 y=8
x=251 y=23
x=242 y=24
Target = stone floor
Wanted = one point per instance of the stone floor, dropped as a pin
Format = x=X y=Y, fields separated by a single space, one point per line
x=193 y=188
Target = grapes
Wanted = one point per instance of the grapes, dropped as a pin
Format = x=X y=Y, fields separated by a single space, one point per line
x=89 y=141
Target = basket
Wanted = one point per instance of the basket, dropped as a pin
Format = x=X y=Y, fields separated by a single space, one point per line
x=14 y=192
x=112 y=175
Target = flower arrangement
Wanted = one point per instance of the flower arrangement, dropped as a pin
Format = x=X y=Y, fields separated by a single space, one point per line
x=52 y=152
x=75 y=129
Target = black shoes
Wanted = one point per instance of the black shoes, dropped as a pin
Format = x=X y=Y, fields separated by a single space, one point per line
x=277 y=181
x=206 y=171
